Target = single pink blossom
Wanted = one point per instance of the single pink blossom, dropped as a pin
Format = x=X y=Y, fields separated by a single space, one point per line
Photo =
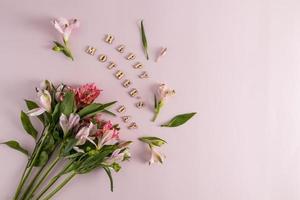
x=109 y=137
x=107 y=126
x=86 y=94
x=65 y=27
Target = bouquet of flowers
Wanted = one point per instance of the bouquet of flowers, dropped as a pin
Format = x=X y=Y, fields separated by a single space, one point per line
x=74 y=140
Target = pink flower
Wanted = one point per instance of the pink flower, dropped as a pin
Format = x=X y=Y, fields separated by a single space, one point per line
x=65 y=27
x=107 y=126
x=108 y=137
x=86 y=94
x=85 y=133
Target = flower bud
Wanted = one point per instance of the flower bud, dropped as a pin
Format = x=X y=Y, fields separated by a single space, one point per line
x=45 y=100
x=56 y=48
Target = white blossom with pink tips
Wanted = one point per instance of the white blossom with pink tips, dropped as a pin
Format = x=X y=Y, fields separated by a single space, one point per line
x=65 y=26
x=163 y=93
x=108 y=135
x=84 y=134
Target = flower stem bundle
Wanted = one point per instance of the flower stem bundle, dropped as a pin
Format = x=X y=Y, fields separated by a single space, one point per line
x=74 y=140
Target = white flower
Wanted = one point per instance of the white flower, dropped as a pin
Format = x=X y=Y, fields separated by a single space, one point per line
x=117 y=156
x=45 y=99
x=59 y=94
x=156 y=156
x=46 y=85
x=45 y=103
x=68 y=123
x=65 y=27
x=84 y=134
x=164 y=92
x=120 y=154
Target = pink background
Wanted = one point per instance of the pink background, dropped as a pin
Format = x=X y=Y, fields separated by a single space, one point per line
x=234 y=62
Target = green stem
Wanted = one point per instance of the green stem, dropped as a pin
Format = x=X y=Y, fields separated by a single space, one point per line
x=156 y=112
x=53 y=180
x=32 y=182
x=20 y=183
x=29 y=193
x=30 y=164
x=60 y=186
x=67 y=50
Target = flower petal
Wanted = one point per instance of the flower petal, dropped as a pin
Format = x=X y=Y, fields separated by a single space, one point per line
x=75 y=23
x=45 y=99
x=63 y=21
x=57 y=26
x=64 y=123
x=73 y=120
x=78 y=149
x=82 y=135
x=156 y=156
x=36 y=112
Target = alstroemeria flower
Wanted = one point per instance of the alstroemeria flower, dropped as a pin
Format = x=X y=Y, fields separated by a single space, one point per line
x=108 y=138
x=156 y=156
x=84 y=133
x=86 y=94
x=60 y=92
x=68 y=123
x=118 y=156
x=65 y=27
x=46 y=85
x=45 y=103
x=154 y=143
x=107 y=126
x=163 y=92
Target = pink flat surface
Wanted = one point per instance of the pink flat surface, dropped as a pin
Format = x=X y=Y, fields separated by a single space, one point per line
x=234 y=62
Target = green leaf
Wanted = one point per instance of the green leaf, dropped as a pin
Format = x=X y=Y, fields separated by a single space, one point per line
x=27 y=125
x=67 y=106
x=108 y=172
x=56 y=113
x=95 y=159
x=144 y=40
x=49 y=143
x=56 y=48
x=15 y=145
x=93 y=109
x=155 y=102
x=64 y=49
x=116 y=167
x=32 y=105
x=47 y=118
x=153 y=141
x=67 y=53
x=68 y=146
x=59 y=45
x=109 y=112
x=179 y=120
x=57 y=136
x=41 y=159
